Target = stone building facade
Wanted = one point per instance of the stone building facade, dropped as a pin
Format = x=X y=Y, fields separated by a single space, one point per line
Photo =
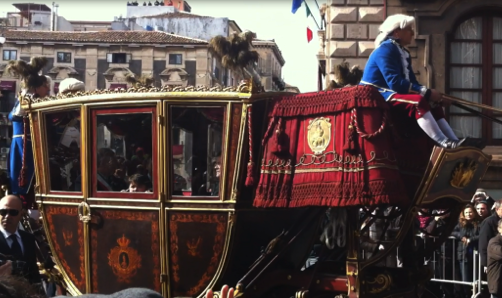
x=457 y=50
x=102 y=60
x=270 y=64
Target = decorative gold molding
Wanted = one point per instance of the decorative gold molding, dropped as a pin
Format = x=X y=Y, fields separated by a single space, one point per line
x=244 y=87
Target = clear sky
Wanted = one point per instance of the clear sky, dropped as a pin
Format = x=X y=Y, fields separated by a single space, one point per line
x=270 y=19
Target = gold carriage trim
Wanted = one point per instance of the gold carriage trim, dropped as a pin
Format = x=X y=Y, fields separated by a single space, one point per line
x=380 y=283
x=340 y=159
x=347 y=170
x=124 y=260
x=244 y=87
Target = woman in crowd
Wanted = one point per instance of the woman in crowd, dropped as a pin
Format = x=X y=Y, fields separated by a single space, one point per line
x=467 y=233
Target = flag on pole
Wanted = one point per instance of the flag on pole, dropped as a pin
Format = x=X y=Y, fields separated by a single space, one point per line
x=296 y=4
x=310 y=34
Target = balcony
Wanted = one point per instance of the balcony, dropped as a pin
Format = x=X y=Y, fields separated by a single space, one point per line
x=279 y=83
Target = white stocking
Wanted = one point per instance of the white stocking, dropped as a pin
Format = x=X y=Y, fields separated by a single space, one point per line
x=446 y=129
x=431 y=128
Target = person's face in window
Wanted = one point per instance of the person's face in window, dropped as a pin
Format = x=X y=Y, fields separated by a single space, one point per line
x=134 y=187
x=217 y=167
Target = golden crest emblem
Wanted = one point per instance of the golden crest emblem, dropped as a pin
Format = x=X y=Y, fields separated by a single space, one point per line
x=463 y=173
x=319 y=134
x=124 y=260
x=68 y=237
x=193 y=247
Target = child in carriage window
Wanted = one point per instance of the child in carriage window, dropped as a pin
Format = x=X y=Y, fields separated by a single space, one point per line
x=139 y=183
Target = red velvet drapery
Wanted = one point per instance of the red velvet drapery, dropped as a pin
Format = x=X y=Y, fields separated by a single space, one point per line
x=357 y=166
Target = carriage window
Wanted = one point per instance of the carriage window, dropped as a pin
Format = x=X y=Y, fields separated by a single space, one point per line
x=63 y=145
x=124 y=143
x=196 y=150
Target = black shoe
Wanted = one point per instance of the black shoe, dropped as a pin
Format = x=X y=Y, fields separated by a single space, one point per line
x=451 y=144
x=480 y=144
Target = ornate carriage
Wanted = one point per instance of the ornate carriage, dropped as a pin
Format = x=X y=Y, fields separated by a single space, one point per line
x=241 y=186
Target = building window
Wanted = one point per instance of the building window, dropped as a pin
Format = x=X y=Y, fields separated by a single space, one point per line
x=476 y=75
x=118 y=58
x=9 y=55
x=64 y=57
x=217 y=73
x=175 y=59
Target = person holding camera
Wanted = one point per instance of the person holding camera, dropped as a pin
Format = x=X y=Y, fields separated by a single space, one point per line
x=17 y=247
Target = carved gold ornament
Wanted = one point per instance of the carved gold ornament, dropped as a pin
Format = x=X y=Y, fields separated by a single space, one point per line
x=245 y=86
x=319 y=134
x=124 y=260
x=380 y=283
x=463 y=173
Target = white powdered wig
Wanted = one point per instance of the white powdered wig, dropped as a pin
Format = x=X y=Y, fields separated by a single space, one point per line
x=393 y=22
x=71 y=85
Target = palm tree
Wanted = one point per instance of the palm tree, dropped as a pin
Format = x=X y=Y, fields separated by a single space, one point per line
x=144 y=81
x=235 y=53
x=345 y=76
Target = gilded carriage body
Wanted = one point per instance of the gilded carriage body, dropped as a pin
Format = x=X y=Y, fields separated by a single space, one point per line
x=228 y=171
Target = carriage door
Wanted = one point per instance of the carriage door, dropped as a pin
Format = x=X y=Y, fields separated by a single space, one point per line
x=124 y=202
x=59 y=173
x=197 y=219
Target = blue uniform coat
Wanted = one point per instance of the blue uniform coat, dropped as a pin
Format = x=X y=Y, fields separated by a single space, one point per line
x=17 y=150
x=389 y=69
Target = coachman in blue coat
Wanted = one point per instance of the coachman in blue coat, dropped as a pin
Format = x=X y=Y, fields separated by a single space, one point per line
x=389 y=69
x=21 y=164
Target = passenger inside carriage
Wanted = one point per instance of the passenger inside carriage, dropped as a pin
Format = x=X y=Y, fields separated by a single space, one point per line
x=124 y=149
x=139 y=183
x=63 y=144
x=196 y=148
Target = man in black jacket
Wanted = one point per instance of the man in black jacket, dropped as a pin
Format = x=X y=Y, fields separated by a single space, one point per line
x=488 y=231
x=495 y=263
x=17 y=244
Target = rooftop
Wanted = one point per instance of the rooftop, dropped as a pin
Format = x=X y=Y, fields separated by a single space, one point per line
x=90 y=22
x=270 y=44
x=128 y=37
x=178 y=14
x=31 y=6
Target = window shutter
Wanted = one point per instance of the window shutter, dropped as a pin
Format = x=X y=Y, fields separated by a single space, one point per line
x=109 y=58
x=128 y=58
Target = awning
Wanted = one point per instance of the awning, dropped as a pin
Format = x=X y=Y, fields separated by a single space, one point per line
x=115 y=86
x=56 y=87
x=8 y=86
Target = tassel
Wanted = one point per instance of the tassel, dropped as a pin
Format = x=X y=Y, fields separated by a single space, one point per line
x=280 y=143
x=23 y=175
x=250 y=174
x=350 y=142
x=250 y=170
x=350 y=145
